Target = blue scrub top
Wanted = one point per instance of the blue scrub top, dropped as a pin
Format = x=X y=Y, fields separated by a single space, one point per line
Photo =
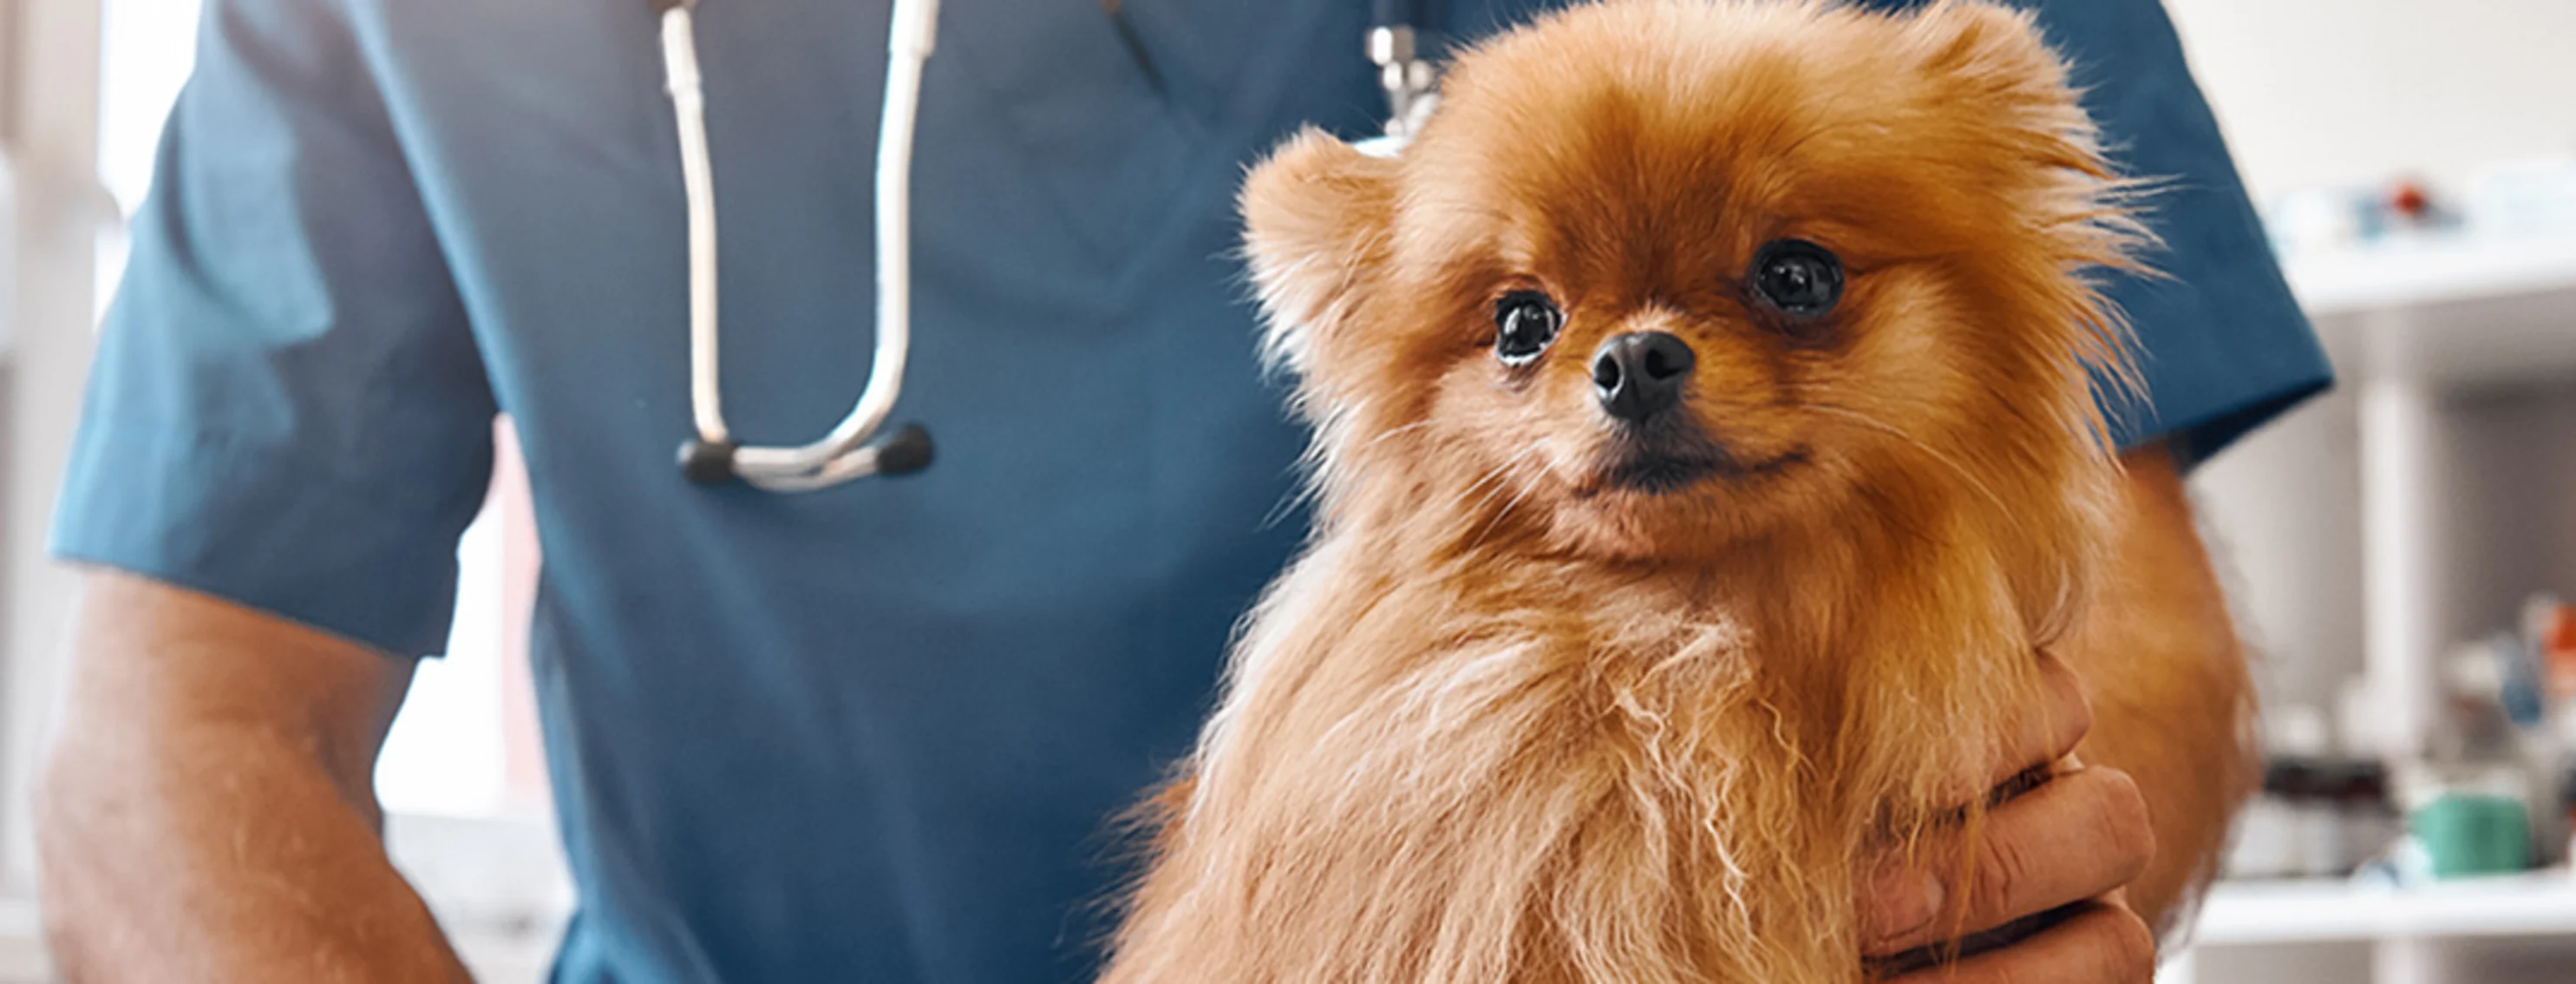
x=872 y=733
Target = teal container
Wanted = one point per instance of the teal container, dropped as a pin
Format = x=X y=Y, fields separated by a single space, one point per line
x=2470 y=834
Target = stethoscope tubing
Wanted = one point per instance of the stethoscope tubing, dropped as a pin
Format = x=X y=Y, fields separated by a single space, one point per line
x=854 y=447
x=857 y=446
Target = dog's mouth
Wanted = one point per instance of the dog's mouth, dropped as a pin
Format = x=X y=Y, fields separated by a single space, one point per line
x=1657 y=461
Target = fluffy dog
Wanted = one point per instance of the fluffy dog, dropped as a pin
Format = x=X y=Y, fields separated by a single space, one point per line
x=1706 y=442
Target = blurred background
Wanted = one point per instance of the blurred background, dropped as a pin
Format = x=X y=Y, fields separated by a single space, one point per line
x=2397 y=550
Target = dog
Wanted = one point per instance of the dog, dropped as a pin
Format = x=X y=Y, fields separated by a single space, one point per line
x=1706 y=443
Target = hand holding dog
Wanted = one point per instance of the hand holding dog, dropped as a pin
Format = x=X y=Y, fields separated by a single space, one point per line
x=2071 y=843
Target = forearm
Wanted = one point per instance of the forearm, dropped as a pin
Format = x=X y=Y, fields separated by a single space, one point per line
x=2172 y=701
x=208 y=812
x=217 y=854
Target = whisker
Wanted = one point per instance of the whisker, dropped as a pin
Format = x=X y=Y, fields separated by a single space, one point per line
x=1910 y=440
x=1406 y=429
x=1500 y=476
x=1487 y=528
x=1497 y=519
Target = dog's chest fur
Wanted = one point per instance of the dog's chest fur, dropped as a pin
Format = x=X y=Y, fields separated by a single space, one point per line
x=1594 y=791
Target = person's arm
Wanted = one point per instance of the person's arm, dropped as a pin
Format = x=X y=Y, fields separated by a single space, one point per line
x=2165 y=761
x=289 y=415
x=208 y=812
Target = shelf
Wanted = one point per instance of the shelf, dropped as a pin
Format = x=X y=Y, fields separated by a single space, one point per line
x=2252 y=913
x=2430 y=273
x=2445 y=310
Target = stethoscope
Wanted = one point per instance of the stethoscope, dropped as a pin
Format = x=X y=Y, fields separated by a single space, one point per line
x=859 y=445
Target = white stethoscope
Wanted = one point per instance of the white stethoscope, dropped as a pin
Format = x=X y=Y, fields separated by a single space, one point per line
x=858 y=446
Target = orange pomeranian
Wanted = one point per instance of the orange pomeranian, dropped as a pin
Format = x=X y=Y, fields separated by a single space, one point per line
x=1705 y=446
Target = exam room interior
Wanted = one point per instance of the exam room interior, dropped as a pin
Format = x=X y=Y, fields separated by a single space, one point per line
x=2321 y=99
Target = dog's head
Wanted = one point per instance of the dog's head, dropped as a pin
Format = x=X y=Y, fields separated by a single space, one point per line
x=1661 y=274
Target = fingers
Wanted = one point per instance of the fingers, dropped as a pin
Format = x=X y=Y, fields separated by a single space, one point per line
x=2077 y=837
x=2052 y=730
x=2103 y=943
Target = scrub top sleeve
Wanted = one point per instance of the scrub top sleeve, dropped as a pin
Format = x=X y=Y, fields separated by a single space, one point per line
x=287 y=409
x=2223 y=346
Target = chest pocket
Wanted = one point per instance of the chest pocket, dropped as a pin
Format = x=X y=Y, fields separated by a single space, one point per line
x=1075 y=89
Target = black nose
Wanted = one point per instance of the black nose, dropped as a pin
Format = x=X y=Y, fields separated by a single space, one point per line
x=1640 y=374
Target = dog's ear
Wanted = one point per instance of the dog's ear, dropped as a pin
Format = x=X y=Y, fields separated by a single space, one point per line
x=2027 y=139
x=1991 y=60
x=1982 y=39
x=1316 y=219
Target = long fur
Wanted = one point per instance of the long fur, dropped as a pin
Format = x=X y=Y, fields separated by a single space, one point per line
x=1502 y=722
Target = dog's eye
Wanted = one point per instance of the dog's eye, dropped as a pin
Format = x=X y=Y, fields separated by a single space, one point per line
x=1525 y=321
x=1797 y=278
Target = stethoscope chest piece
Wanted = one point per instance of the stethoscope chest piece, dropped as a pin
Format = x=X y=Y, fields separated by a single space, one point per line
x=903 y=451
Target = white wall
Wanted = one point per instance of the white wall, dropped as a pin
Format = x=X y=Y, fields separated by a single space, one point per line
x=2282 y=513
x=2349 y=91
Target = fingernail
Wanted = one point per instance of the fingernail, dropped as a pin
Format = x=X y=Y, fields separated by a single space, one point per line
x=1905 y=902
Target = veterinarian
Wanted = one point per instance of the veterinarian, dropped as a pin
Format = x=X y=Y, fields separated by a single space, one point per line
x=870 y=733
